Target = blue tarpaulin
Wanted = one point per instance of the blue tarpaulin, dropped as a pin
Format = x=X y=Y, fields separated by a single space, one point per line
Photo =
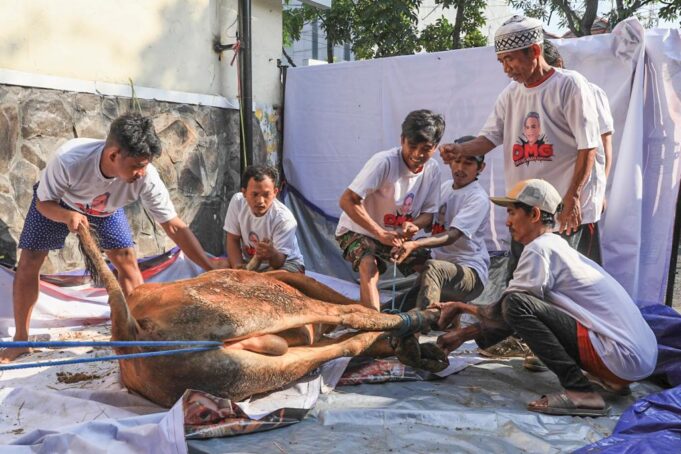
x=653 y=424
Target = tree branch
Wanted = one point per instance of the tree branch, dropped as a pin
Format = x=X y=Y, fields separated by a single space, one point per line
x=288 y=58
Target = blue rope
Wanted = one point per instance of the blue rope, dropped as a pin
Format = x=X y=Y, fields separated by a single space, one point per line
x=405 y=329
x=55 y=344
x=105 y=358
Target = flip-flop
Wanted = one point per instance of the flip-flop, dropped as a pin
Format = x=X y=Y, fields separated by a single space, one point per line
x=561 y=404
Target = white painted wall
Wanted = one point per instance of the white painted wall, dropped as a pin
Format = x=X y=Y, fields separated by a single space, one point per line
x=164 y=44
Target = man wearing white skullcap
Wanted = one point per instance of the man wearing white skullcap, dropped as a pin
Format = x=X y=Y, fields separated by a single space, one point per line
x=547 y=121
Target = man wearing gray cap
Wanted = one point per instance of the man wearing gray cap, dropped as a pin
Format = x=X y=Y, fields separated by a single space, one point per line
x=571 y=313
x=546 y=120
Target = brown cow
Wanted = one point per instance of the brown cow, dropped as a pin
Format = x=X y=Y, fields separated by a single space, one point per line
x=271 y=326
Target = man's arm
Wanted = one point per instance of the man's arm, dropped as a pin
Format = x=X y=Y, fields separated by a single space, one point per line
x=178 y=231
x=571 y=217
x=233 y=246
x=55 y=212
x=607 y=149
x=479 y=146
x=265 y=250
x=443 y=239
x=351 y=203
x=411 y=228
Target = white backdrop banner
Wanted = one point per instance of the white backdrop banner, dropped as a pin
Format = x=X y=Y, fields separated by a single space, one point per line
x=339 y=115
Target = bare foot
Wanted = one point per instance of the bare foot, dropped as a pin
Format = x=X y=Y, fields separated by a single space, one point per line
x=608 y=386
x=8 y=355
x=577 y=401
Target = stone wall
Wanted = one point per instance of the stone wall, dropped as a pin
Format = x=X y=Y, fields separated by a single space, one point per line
x=199 y=164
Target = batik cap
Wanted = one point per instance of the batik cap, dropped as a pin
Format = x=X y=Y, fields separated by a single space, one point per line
x=535 y=193
x=519 y=32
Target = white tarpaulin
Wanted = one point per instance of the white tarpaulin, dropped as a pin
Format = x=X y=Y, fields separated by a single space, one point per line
x=338 y=115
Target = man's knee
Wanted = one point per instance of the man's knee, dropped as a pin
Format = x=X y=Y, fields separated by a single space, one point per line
x=368 y=265
x=432 y=270
x=123 y=255
x=31 y=261
x=124 y=259
x=513 y=306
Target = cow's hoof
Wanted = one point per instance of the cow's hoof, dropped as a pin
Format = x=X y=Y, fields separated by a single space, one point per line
x=433 y=359
x=421 y=356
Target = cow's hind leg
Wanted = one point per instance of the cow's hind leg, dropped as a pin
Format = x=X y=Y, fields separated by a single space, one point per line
x=275 y=371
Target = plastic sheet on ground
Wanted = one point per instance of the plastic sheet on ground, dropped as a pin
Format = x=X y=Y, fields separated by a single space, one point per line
x=83 y=408
x=653 y=424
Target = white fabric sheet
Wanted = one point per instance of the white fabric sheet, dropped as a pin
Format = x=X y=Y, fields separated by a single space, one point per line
x=337 y=116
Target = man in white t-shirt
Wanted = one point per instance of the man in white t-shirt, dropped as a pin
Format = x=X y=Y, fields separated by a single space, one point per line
x=394 y=196
x=458 y=270
x=589 y=243
x=569 y=311
x=258 y=225
x=88 y=182
x=547 y=122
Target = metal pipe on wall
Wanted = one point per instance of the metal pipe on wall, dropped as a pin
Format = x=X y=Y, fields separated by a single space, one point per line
x=246 y=75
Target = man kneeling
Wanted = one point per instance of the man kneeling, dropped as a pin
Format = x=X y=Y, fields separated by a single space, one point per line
x=568 y=310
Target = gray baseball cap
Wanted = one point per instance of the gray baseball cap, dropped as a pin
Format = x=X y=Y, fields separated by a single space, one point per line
x=535 y=192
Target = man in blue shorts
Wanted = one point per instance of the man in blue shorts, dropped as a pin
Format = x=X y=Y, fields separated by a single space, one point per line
x=88 y=182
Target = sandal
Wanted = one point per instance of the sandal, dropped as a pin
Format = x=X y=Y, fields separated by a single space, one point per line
x=561 y=404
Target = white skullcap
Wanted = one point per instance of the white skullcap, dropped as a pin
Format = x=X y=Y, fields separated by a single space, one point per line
x=519 y=32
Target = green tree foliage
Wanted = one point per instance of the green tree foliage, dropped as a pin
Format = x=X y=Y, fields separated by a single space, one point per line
x=437 y=36
x=579 y=16
x=383 y=29
x=671 y=11
x=386 y=28
x=335 y=21
x=469 y=19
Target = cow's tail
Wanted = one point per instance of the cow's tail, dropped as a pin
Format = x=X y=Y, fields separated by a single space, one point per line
x=123 y=325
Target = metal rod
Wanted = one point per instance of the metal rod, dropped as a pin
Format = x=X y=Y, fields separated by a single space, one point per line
x=246 y=75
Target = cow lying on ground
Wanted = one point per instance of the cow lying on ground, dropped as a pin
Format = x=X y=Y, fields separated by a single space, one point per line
x=272 y=327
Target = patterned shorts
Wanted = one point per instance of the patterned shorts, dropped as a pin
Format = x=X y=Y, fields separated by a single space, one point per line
x=43 y=234
x=356 y=246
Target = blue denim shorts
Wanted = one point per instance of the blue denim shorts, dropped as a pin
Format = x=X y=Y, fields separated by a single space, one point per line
x=43 y=234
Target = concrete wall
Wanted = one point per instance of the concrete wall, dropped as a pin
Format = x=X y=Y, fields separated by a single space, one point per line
x=199 y=163
x=165 y=44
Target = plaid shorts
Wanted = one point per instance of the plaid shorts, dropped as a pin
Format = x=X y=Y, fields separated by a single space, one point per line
x=43 y=234
x=356 y=246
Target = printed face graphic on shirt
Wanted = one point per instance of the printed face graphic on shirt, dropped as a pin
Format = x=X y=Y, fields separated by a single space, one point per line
x=403 y=213
x=407 y=204
x=532 y=146
x=97 y=207
x=532 y=129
